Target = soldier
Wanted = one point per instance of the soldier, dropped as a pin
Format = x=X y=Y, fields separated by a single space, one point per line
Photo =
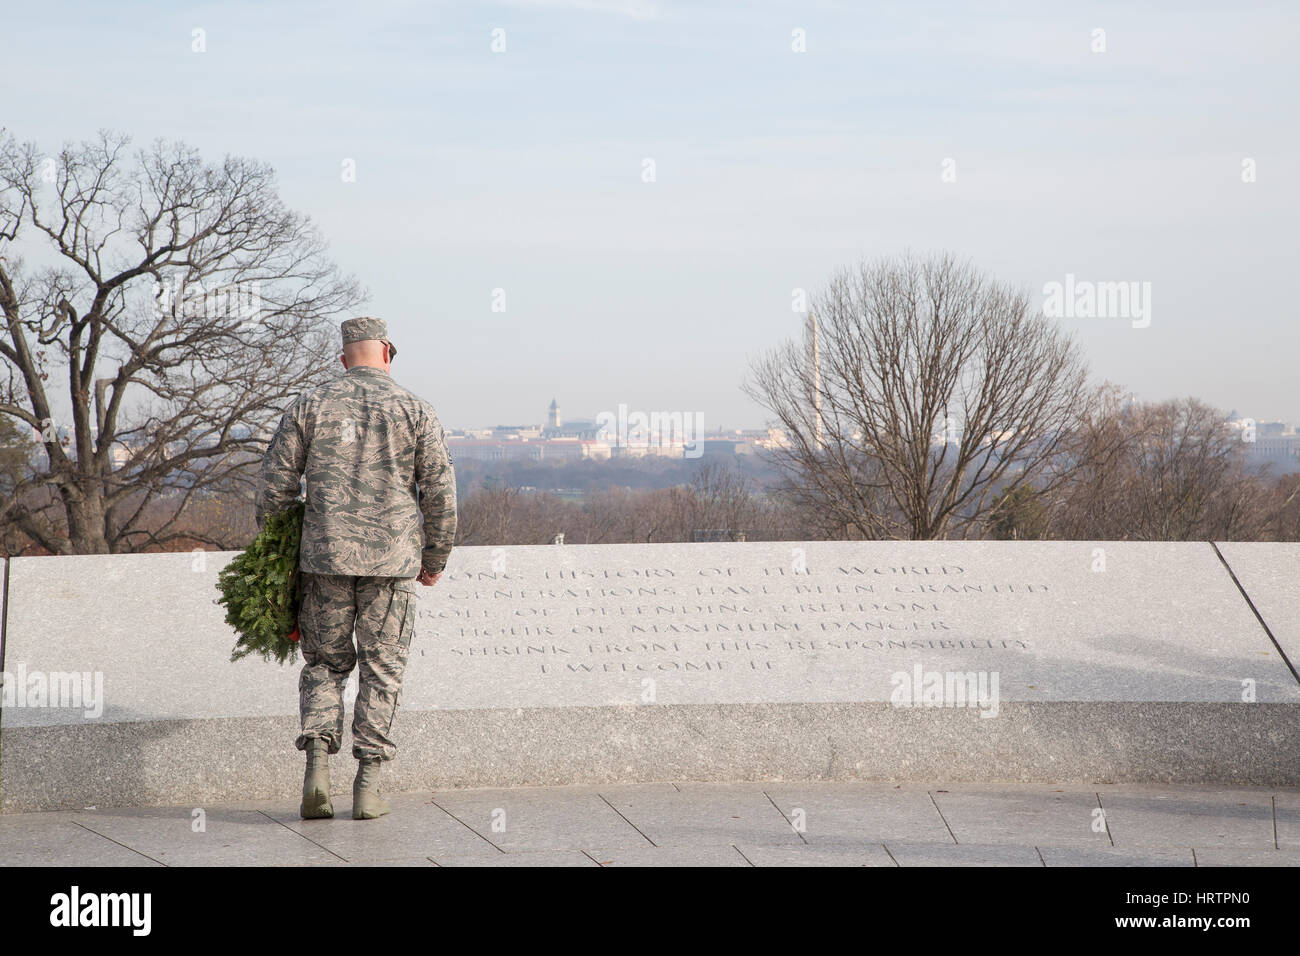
x=377 y=475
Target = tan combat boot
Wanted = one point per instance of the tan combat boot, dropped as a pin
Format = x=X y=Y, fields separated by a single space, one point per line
x=316 y=782
x=366 y=801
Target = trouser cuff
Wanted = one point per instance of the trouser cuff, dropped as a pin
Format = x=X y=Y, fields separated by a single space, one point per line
x=331 y=743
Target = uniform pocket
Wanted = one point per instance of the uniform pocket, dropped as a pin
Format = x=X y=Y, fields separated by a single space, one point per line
x=399 y=623
x=306 y=613
x=408 y=618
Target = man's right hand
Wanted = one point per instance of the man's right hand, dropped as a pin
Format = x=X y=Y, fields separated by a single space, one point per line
x=427 y=579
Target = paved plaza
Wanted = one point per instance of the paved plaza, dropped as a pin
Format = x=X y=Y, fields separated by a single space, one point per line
x=696 y=824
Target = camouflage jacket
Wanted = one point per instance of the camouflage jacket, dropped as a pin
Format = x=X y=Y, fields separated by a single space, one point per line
x=377 y=473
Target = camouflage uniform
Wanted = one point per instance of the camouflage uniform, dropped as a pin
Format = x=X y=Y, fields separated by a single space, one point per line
x=383 y=612
x=378 y=476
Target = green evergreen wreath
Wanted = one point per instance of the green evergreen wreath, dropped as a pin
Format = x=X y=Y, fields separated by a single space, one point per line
x=259 y=589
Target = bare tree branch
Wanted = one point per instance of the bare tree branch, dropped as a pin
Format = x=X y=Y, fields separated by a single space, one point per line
x=190 y=307
x=933 y=387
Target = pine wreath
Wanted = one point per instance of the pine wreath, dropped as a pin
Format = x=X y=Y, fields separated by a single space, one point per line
x=259 y=589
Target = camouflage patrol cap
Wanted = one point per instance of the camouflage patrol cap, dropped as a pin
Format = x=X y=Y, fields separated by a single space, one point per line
x=364 y=328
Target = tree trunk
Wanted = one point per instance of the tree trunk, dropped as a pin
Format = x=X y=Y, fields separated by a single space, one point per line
x=85 y=511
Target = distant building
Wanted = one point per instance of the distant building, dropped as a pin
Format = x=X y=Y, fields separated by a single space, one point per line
x=542 y=449
x=509 y=432
x=756 y=438
x=1279 y=447
x=583 y=429
x=729 y=447
x=1268 y=443
x=585 y=438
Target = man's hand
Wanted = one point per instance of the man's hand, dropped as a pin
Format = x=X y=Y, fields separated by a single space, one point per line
x=427 y=579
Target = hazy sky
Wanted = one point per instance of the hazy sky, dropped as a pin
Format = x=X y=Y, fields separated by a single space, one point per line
x=523 y=170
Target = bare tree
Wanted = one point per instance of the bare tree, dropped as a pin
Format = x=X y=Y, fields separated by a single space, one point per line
x=504 y=514
x=1173 y=471
x=1188 y=475
x=484 y=516
x=179 y=307
x=720 y=503
x=616 y=515
x=931 y=387
x=1091 y=497
x=718 y=498
x=619 y=515
x=1283 y=508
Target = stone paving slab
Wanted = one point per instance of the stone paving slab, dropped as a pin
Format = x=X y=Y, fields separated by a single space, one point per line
x=700 y=814
x=841 y=813
x=416 y=829
x=971 y=854
x=1235 y=856
x=526 y=858
x=229 y=837
x=1191 y=817
x=697 y=855
x=678 y=824
x=1117 y=856
x=41 y=843
x=1049 y=816
x=403 y=861
x=527 y=819
x=823 y=854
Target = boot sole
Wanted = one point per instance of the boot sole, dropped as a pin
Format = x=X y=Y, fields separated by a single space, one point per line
x=369 y=813
x=316 y=807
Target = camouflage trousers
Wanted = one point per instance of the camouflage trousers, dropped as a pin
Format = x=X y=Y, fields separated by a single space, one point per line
x=382 y=611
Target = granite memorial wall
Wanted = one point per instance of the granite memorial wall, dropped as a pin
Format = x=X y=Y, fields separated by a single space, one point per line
x=568 y=664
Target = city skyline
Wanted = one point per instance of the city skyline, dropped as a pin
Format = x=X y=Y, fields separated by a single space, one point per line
x=1230 y=414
